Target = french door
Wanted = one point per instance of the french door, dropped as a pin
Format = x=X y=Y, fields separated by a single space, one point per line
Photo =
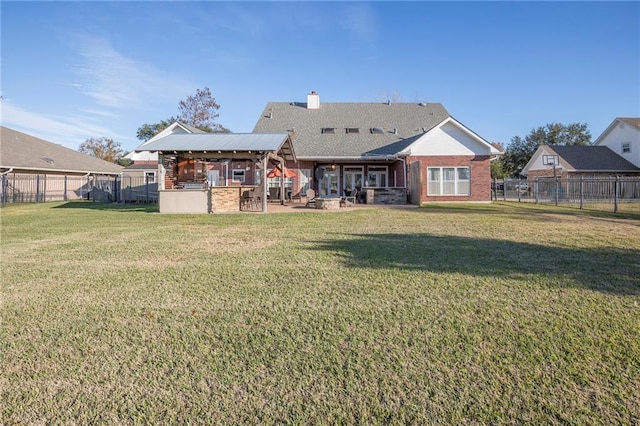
x=328 y=185
x=352 y=178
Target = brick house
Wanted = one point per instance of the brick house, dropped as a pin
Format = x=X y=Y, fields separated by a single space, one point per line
x=386 y=153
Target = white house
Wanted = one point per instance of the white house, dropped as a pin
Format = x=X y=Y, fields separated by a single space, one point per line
x=623 y=137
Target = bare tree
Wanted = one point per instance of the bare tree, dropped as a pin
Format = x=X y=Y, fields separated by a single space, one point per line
x=201 y=111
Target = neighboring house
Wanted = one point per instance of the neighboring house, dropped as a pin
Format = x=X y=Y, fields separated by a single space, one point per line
x=623 y=137
x=151 y=158
x=33 y=169
x=387 y=153
x=576 y=161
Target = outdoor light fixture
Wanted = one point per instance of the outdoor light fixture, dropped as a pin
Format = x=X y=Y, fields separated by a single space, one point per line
x=333 y=167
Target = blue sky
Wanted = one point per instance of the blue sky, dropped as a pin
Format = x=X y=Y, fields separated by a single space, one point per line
x=75 y=70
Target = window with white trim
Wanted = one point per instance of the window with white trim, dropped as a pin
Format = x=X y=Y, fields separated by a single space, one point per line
x=626 y=147
x=238 y=175
x=448 y=181
x=150 y=177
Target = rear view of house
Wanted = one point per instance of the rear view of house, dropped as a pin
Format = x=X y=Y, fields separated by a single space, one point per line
x=384 y=153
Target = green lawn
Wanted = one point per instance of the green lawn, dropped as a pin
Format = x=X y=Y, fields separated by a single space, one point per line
x=447 y=314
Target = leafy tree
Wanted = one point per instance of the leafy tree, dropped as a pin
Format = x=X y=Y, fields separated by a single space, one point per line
x=147 y=131
x=496 y=165
x=520 y=151
x=199 y=111
x=104 y=148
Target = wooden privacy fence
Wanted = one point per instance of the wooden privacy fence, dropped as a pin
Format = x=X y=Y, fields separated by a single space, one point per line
x=40 y=188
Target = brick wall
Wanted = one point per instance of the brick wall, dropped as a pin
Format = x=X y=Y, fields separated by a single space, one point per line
x=480 y=171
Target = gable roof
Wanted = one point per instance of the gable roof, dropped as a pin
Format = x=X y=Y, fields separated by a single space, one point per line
x=24 y=152
x=222 y=143
x=457 y=134
x=175 y=127
x=633 y=122
x=579 y=158
x=400 y=124
x=592 y=158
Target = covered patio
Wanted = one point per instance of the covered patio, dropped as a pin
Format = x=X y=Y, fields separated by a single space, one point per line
x=217 y=172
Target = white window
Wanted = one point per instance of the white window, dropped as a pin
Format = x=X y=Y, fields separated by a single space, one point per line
x=238 y=175
x=150 y=177
x=448 y=181
x=626 y=147
x=377 y=176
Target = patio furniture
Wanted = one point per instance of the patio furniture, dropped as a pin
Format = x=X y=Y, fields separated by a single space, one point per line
x=274 y=194
x=311 y=198
x=349 y=197
x=246 y=200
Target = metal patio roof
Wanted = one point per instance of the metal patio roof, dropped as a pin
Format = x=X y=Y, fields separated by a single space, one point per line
x=223 y=143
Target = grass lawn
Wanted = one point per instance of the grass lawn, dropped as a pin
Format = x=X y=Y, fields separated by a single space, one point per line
x=482 y=314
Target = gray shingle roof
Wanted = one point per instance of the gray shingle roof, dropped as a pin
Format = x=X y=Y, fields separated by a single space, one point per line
x=26 y=152
x=407 y=119
x=631 y=121
x=593 y=158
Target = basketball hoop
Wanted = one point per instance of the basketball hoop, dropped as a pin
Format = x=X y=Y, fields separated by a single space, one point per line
x=550 y=160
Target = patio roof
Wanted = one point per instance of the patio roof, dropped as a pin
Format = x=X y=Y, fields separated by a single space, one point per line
x=217 y=145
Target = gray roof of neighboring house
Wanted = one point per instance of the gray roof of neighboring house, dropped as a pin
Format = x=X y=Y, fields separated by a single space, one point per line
x=631 y=121
x=409 y=121
x=26 y=152
x=143 y=166
x=224 y=142
x=592 y=158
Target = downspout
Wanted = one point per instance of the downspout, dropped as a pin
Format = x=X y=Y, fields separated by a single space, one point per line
x=7 y=172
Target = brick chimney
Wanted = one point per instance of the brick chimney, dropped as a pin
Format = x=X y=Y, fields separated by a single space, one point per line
x=313 y=100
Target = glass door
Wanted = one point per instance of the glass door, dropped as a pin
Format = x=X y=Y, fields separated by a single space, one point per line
x=352 y=178
x=328 y=185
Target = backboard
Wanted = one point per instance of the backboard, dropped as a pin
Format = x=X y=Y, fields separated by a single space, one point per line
x=550 y=160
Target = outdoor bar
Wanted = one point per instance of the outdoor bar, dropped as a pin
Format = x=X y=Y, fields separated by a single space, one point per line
x=219 y=172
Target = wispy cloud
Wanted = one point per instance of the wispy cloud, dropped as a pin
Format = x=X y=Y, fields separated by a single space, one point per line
x=360 y=20
x=115 y=81
x=67 y=131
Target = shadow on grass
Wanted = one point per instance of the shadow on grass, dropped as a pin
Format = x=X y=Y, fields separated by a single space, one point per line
x=511 y=207
x=90 y=205
x=611 y=270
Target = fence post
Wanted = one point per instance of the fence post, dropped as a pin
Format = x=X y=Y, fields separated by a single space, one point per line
x=535 y=189
x=4 y=190
x=556 y=188
x=64 y=196
x=146 y=188
x=37 y=188
x=494 y=195
x=615 y=195
x=519 y=188
x=581 y=192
